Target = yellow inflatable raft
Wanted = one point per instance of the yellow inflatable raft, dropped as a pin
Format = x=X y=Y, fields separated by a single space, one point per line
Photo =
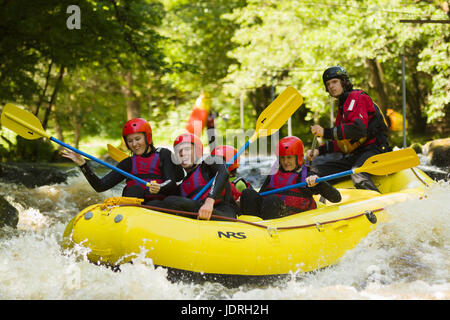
x=116 y=232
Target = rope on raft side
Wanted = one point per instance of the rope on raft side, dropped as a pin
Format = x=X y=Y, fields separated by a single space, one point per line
x=418 y=177
x=316 y=224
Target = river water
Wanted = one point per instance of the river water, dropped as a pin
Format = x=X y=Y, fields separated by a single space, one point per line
x=405 y=258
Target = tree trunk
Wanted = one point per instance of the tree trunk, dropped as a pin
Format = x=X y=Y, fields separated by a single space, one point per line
x=376 y=83
x=260 y=98
x=59 y=132
x=44 y=92
x=150 y=103
x=415 y=99
x=53 y=98
x=78 y=121
x=132 y=101
x=77 y=134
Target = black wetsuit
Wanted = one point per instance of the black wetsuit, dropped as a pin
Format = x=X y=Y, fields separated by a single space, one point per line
x=271 y=206
x=171 y=173
x=219 y=191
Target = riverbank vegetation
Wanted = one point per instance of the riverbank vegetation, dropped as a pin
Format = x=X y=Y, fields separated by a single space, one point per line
x=152 y=58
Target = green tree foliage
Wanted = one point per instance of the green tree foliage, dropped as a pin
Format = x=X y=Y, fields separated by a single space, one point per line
x=40 y=56
x=34 y=35
x=292 y=42
x=201 y=39
x=153 y=58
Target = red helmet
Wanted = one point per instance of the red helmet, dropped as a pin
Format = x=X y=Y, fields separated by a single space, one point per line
x=137 y=125
x=192 y=138
x=290 y=146
x=228 y=153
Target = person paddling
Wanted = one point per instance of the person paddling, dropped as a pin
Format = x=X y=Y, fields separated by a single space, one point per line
x=217 y=200
x=237 y=184
x=359 y=132
x=290 y=156
x=147 y=162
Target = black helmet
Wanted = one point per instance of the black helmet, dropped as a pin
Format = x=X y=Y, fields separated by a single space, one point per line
x=340 y=73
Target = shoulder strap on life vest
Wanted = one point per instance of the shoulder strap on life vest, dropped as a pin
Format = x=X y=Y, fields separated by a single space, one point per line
x=194 y=182
x=294 y=199
x=378 y=128
x=148 y=169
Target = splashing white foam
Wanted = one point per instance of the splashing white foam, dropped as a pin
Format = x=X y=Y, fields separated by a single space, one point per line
x=407 y=257
x=404 y=258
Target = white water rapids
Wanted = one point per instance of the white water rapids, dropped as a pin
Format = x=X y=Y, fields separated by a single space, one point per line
x=405 y=258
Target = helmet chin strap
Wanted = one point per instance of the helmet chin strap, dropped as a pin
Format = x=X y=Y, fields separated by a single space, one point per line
x=189 y=169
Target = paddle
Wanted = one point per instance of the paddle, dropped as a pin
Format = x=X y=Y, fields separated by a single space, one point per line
x=380 y=164
x=313 y=146
x=269 y=122
x=116 y=154
x=314 y=143
x=28 y=126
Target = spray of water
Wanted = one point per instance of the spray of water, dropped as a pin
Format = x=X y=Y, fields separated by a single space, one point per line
x=404 y=258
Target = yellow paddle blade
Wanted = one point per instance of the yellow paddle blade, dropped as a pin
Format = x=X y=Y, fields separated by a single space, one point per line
x=116 y=154
x=278 y=112
x=390 y=162
x=22 y=122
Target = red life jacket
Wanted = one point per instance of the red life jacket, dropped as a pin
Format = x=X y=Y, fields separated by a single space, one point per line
x=146 y=168
x=293 y=199
x=192 y=184
x=358 y=105
x=235 y=193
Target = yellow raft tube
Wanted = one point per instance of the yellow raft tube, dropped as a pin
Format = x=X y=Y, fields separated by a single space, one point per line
x=116 y=233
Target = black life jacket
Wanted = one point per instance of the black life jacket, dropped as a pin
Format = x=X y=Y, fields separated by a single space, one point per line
x=379 y=129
